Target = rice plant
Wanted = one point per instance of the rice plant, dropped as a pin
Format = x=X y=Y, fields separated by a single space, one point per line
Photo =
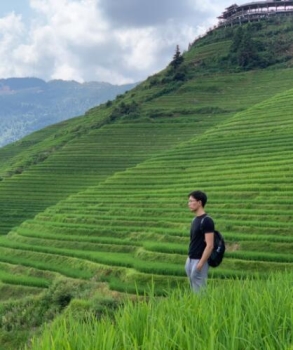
x=240 y=314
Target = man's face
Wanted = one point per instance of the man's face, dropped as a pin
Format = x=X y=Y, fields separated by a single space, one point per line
x=193 y=204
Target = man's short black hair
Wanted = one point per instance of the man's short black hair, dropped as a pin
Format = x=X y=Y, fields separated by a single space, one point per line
x=199 y=196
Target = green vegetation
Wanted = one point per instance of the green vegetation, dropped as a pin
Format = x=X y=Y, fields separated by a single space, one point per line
x=240 y=314
x=261 y=44
x=99 y=203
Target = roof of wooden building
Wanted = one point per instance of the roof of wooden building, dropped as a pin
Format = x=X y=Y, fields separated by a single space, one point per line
x=254 y=5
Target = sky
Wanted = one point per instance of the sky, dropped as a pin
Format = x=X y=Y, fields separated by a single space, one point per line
x=115 y=41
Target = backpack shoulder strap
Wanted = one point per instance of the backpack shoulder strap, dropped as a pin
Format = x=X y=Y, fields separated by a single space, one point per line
x=202 y=220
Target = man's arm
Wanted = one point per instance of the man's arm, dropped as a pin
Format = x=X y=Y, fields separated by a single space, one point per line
x=209 y=239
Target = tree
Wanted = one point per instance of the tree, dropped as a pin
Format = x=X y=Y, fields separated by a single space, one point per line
x=237 y=40
x=247 y=52
x=244 y=50
x=177 y=58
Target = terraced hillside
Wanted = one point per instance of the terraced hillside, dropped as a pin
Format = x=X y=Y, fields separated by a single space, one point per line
x=134 y=225
x=103 y=198
x=65 y=158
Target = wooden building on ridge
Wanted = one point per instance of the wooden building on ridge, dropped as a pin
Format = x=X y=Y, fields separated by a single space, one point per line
x=254 y=11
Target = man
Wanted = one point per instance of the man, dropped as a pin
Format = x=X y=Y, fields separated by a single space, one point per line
x=201 y=241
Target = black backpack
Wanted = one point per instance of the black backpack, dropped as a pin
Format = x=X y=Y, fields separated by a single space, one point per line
x=217 y=255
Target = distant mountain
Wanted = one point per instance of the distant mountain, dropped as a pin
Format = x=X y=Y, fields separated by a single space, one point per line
x=29 y=104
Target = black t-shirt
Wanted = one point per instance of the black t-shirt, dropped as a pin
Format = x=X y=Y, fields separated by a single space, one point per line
x=197 y=235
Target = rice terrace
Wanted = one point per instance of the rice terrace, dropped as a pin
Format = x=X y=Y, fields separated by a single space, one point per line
x=94 y=218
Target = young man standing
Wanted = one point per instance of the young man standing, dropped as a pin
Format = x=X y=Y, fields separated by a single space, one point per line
x=201 y=241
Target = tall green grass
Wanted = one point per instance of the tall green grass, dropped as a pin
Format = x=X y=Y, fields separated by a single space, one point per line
x=232 y=315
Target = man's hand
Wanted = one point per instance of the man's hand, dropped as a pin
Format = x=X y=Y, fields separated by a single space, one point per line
x=199 y=266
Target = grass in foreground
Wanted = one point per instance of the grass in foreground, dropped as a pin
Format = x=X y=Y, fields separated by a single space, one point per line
x=232 y=315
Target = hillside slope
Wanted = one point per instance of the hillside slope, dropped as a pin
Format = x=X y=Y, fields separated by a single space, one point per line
x=63 y=159
x=138 y=219
x=99 y=202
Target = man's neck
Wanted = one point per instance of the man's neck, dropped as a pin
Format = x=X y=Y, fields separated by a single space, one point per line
x=199 y=212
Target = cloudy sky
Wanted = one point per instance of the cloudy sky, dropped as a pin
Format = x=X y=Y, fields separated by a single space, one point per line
x=117 y=41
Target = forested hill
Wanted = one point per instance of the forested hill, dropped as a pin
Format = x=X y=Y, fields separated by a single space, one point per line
x=30 y=104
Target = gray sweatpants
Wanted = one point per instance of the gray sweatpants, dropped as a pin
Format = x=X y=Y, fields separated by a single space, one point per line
x=197 y=278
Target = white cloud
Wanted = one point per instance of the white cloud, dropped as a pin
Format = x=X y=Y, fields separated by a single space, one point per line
x=11 y=29
x=66 y=72
x=106 y=40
